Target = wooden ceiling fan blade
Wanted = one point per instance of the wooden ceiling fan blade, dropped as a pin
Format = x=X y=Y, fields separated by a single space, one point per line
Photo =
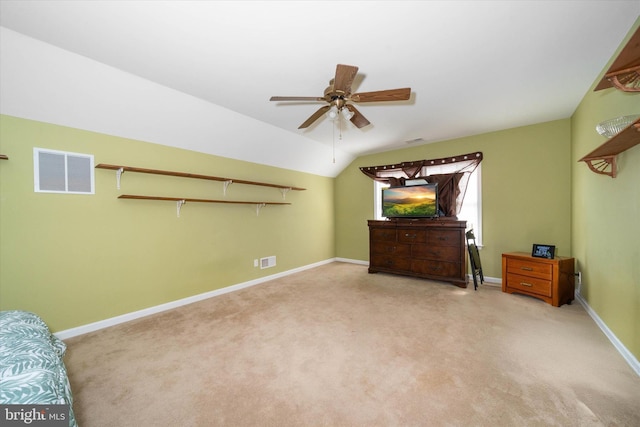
x=296 y=98
x=344 y=78
x=357 y=119
x=402 y=94
x=315 y=116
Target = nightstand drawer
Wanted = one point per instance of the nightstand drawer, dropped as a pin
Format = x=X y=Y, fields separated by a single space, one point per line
x=529 y=284
x=528 y=268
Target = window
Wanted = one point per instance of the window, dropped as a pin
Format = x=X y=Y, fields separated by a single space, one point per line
x=471 y=210
x=62 y=172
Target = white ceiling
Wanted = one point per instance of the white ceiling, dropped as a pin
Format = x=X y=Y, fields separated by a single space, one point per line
x=473 y=66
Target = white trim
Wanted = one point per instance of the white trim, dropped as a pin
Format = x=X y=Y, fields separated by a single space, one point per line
x=490 y=281
x=91 y=327
x=352 y=261
x=624 y=352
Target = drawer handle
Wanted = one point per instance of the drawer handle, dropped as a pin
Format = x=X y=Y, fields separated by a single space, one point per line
x=413 y=236
x=391 y=249
x=526 y=284
x=526 y=268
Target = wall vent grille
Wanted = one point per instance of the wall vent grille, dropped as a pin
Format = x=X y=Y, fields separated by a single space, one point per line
x=268 y=262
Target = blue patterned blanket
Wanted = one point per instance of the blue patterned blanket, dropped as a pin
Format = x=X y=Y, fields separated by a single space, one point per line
x=31 y=367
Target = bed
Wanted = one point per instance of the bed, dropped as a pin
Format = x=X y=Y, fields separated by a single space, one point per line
x=32 y=370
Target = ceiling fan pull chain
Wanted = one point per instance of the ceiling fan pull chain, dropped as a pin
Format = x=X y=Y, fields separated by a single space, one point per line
x=333 y=135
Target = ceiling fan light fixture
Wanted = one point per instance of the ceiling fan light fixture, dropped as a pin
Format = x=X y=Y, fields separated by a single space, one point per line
x=346 y=113
x=333 y=112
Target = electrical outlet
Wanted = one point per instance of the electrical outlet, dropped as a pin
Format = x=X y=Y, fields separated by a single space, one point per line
x=579 y=278
x=255 y=262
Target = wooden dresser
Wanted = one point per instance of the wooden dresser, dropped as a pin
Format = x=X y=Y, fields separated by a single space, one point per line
x=551 y=280
x=428 y=248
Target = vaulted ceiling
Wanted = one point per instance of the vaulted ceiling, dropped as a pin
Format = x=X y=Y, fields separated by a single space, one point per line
x=202 y=72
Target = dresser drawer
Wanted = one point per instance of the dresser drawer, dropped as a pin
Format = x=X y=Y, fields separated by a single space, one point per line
x=436 y=268
x=390 y=248
x=529 y=268
x=408 y=235
x=444 y=253
x=382 y=234
x=390 y=262
x=443 y=238
x=529 y=284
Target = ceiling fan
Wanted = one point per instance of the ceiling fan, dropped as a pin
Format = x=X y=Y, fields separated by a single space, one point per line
x=338 y=97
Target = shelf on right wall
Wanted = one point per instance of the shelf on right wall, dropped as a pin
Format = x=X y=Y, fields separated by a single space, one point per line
x=603 y=159
x=624 y=75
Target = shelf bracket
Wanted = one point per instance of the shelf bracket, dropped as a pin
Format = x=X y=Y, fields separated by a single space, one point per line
x=603 y=166
x=225 y=185
x=119 y=173
x=258 y=206
x=627 y=80
x=179 y=204
x=284 y=192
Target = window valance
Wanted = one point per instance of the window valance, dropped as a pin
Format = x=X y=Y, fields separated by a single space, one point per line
x=450 y=173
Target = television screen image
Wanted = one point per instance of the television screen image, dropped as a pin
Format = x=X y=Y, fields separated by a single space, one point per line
x=417 y=201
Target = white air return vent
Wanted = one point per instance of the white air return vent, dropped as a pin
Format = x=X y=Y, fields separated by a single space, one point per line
x=62 y=172
x=268 y=262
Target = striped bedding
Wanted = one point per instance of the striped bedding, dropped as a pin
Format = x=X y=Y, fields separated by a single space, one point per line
x=31 y=367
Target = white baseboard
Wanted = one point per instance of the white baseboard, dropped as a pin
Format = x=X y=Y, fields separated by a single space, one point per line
x=489 y=281
x=80 y=330
x=353 y=261
x=624 y=352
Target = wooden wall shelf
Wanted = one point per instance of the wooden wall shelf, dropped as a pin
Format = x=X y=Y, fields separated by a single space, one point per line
x=602 y=160
x=121 y=169
x=4 y=157
x=182 y=200
x=624 y=73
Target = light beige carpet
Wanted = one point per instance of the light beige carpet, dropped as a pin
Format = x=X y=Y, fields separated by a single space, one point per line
x=336 y=346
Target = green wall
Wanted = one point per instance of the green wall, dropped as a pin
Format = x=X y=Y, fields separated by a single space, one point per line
x=606 y=217
x=526 y=191
x=77 y=259
x=535 y=190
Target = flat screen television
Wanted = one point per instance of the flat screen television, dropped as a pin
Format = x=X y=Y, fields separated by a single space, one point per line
x=415 y=201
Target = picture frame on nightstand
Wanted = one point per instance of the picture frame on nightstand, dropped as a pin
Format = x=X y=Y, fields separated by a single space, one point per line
x=543 y=251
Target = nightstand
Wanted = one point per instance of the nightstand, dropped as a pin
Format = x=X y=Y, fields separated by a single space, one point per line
x=551 y=280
